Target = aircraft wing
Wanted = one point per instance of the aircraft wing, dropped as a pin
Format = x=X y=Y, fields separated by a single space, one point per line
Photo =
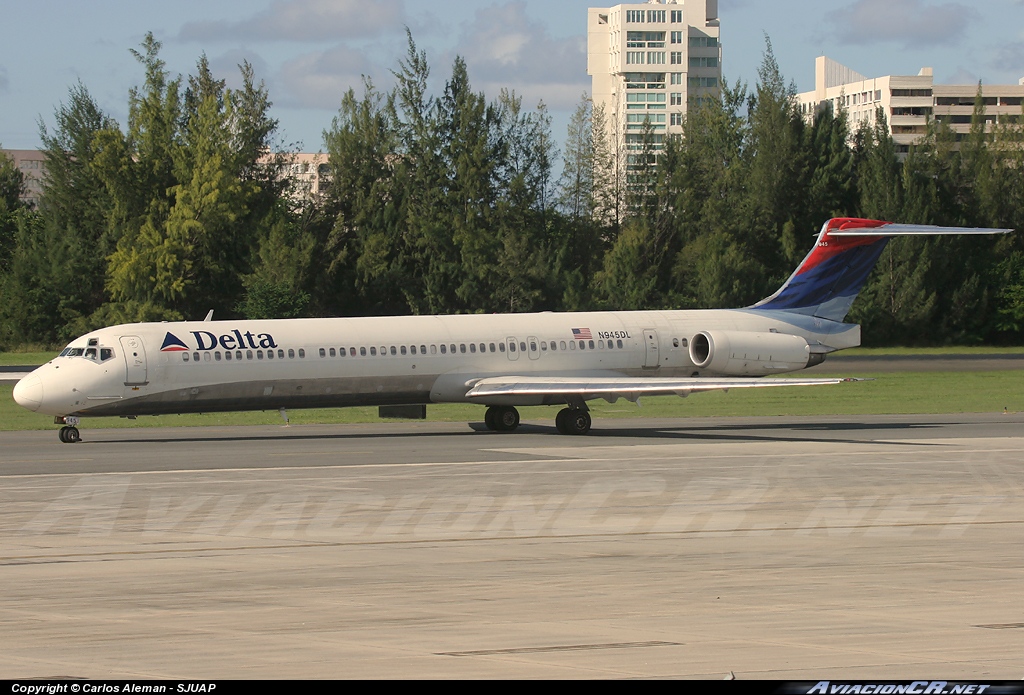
x=629 y=388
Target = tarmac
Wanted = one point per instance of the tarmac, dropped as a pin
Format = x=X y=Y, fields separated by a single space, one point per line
x=853 y=547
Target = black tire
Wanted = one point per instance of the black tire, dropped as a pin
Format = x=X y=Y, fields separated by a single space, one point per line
x=72 y=436
x=577 y=422
x=506 y=419
x=62 y=435
x=489 y=418
x=560 y=419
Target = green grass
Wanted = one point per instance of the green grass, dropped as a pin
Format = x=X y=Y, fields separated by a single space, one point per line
x=890 y=393
x=948 y=350
x=18 y=359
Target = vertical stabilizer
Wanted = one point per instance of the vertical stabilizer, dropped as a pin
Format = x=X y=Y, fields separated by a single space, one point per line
x=829 y=278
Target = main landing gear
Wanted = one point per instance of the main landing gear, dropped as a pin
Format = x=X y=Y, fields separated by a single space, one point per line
x=501 y=418
x=69 y=434
x=505 y=418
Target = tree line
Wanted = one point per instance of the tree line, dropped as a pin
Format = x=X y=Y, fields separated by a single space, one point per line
x=450 y=202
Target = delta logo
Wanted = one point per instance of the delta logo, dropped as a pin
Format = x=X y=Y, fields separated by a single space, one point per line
x=205 y=340
x=172 y=343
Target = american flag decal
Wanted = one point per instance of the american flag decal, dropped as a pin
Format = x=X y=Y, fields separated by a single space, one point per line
x=582 y=334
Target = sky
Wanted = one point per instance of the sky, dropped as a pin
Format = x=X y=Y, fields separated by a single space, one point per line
x=309 y=52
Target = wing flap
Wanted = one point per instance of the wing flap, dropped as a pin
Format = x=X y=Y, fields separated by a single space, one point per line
x=630 y=388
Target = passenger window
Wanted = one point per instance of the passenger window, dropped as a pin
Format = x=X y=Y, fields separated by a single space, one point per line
x=259 y=354
x=362 y=352
x=433 y=349
x=270 y=354
x=373 y=351
x=610 y=345
x=227 y=355
x=501 y=347
x=444 y=349
x=412 y=349
x=462 y=348
x=684 y=342
x=591 y=345
x=561 y=344
x=619 y=343
x=302 y=353
x=511 y=347
x=544 y=346
x=238 y=354
x=206 y=357
x=451 y=348
x=472 y=347
x=332 y=352
x=184 y=357
x=675 y=342
x=352 y=352
x=280 y=354
x=423 y=349
x=583 y=346
x=195 y=356
x=522 y=347
x=572 y=344
x=383 y=351
x=291 y=354
x=216 y=356
x=323 y=353
x=554 y=346
x=492 y=347
x=248 y=354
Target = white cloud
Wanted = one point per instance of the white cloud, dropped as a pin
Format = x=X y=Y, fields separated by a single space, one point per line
x=305 y=20
x=319 y=79
x=503 y=47
x=909 y=22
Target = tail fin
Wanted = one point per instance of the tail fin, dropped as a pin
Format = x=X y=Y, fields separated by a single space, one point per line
x=829 y=278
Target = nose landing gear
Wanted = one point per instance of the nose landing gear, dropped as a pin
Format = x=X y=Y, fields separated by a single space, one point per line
x=69 y=434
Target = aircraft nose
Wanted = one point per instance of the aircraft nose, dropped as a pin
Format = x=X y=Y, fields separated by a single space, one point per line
x=28 y=393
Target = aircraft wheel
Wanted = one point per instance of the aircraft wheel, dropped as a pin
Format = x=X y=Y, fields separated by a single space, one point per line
x=560 y=420
x=490 y=418
x=575 y=421
x=506 y=419
x=69 y=435
x=63 y=435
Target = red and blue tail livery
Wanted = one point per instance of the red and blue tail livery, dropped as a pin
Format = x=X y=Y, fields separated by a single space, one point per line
x=833 y=273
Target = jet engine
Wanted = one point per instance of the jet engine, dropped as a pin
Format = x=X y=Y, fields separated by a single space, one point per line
x=746 y=353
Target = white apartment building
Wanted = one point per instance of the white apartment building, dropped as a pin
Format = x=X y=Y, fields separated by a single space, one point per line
x=908 y=101
x=649 y=60
x=32 y=164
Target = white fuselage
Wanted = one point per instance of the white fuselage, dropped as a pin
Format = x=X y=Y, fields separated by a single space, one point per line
x=153 y=368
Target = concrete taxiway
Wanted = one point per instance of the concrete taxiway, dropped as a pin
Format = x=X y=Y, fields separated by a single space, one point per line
x=790 y=548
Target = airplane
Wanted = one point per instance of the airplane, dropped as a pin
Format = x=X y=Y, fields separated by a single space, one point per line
x=500 y=361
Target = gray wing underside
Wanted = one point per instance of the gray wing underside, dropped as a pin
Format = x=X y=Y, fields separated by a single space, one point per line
x=629 y=388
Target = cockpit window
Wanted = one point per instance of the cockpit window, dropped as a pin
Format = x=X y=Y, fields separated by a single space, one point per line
x=64 y=352
x=91 y=353
x=106 y=354
x=76 y=352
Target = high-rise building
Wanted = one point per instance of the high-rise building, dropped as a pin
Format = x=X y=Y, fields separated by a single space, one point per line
x=648 y=61
x=908 y=101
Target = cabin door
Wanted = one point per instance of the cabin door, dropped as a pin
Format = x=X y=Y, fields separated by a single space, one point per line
x=134 y=360
x=652 y=359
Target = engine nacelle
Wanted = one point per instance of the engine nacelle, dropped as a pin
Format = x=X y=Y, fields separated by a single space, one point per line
x=746 y=353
